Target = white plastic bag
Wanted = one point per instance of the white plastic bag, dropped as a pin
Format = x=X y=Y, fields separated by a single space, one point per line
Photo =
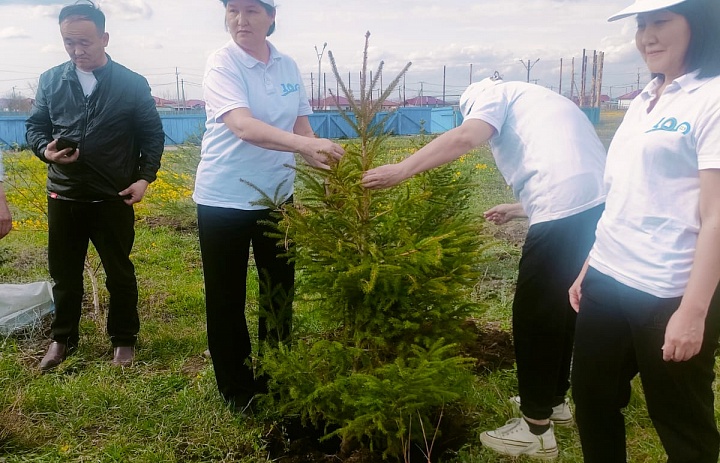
x=24 y=305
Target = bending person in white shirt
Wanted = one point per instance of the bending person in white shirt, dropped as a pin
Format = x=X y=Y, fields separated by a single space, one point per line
x=548 y=152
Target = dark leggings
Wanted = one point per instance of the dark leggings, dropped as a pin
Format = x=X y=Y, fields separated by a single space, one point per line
x=543 y=321
x=225 y=239
x=620 y=332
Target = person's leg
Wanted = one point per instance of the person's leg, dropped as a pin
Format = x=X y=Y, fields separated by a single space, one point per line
x=583 y=227
x=277 y=284
x=68 y=237
x=225 y=247
x=276 y=275
x=603 y=366
x=543 y=329
x=679 y=395
x=113 y=234
x=543 y=321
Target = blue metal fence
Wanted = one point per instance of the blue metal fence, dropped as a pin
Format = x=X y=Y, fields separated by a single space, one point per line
x=12 y=130
x=188 y=127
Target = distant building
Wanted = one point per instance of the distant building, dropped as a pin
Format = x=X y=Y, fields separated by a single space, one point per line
x=16 y=105
x=623 y=101
x=164 y=105
x=425 y=101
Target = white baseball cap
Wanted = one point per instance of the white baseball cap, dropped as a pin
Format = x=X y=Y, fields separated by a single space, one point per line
x=269 y=2
x=644 y=6
x=471 y=94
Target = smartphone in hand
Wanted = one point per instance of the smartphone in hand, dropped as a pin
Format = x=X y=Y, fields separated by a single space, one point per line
x=63 y=143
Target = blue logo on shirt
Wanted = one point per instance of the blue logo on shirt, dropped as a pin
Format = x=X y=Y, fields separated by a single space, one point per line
x=290 y=88
x=670 y=124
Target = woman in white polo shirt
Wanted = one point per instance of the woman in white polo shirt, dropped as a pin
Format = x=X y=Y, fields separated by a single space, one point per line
x=647 y=302
x=257 y=112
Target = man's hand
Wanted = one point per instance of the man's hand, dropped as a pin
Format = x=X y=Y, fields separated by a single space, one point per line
x=503 y=213
x=135 y=192
x=64 y=156
x=385 y=176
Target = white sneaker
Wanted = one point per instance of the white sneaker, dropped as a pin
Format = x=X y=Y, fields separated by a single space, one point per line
x=561 y=414
x=515 y=439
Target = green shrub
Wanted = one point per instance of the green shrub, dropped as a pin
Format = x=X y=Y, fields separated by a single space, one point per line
x=391 y=274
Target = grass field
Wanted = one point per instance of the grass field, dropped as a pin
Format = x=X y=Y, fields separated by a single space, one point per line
x=165 y=408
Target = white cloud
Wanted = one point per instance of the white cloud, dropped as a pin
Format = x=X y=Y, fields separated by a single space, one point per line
x=13 y=32
x=154 y=37
x=128 y=10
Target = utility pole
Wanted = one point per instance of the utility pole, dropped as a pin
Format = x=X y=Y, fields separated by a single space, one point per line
x=381 y=87
x=371 y=95
x=529 y=66
x=404 y=99
x=443 y=84
x=593 y=85
x=601 y=65
x=470 y=73
x=638 y=79
x=561 y=76
x=182 y=86
x=572 y=79
x=312 y=89
x=177 y=84
x=583 y=78
x=319 y=57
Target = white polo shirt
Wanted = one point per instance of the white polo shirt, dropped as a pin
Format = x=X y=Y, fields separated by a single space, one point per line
x=647 y=236
x=545 y=147
x=275 y=94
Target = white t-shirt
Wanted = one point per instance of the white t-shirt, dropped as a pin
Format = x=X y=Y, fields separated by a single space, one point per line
x=545 y=147
x=275 y=94
x=646 y=238
x=87 y=81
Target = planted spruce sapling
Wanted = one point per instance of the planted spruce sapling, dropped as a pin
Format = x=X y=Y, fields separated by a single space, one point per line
x=390 y=273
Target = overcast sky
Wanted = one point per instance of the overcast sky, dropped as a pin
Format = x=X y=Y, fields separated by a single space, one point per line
x=158 y=37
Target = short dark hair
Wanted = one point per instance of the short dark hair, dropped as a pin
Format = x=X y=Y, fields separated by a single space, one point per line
x=270 y=10
x=84 y=10
x=703 y=53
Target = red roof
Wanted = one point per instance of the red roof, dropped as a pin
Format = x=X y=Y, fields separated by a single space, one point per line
x=425 y=101
x=195 y=103
x=630 y=96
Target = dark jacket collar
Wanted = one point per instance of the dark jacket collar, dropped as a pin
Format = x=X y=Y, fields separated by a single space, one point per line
x=100 y=73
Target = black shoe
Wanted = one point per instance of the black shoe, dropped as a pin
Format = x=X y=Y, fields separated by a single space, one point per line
x=56 y=354
x=123 y=356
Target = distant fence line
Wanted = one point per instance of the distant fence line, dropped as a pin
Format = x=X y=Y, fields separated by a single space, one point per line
x=188 y=128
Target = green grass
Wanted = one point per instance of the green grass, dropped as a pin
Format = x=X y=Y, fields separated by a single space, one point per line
x=166 y=408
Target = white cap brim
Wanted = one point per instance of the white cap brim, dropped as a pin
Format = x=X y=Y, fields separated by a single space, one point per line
x=644 y=6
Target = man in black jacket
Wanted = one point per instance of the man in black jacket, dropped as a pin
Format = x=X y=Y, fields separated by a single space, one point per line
x=95 y=124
